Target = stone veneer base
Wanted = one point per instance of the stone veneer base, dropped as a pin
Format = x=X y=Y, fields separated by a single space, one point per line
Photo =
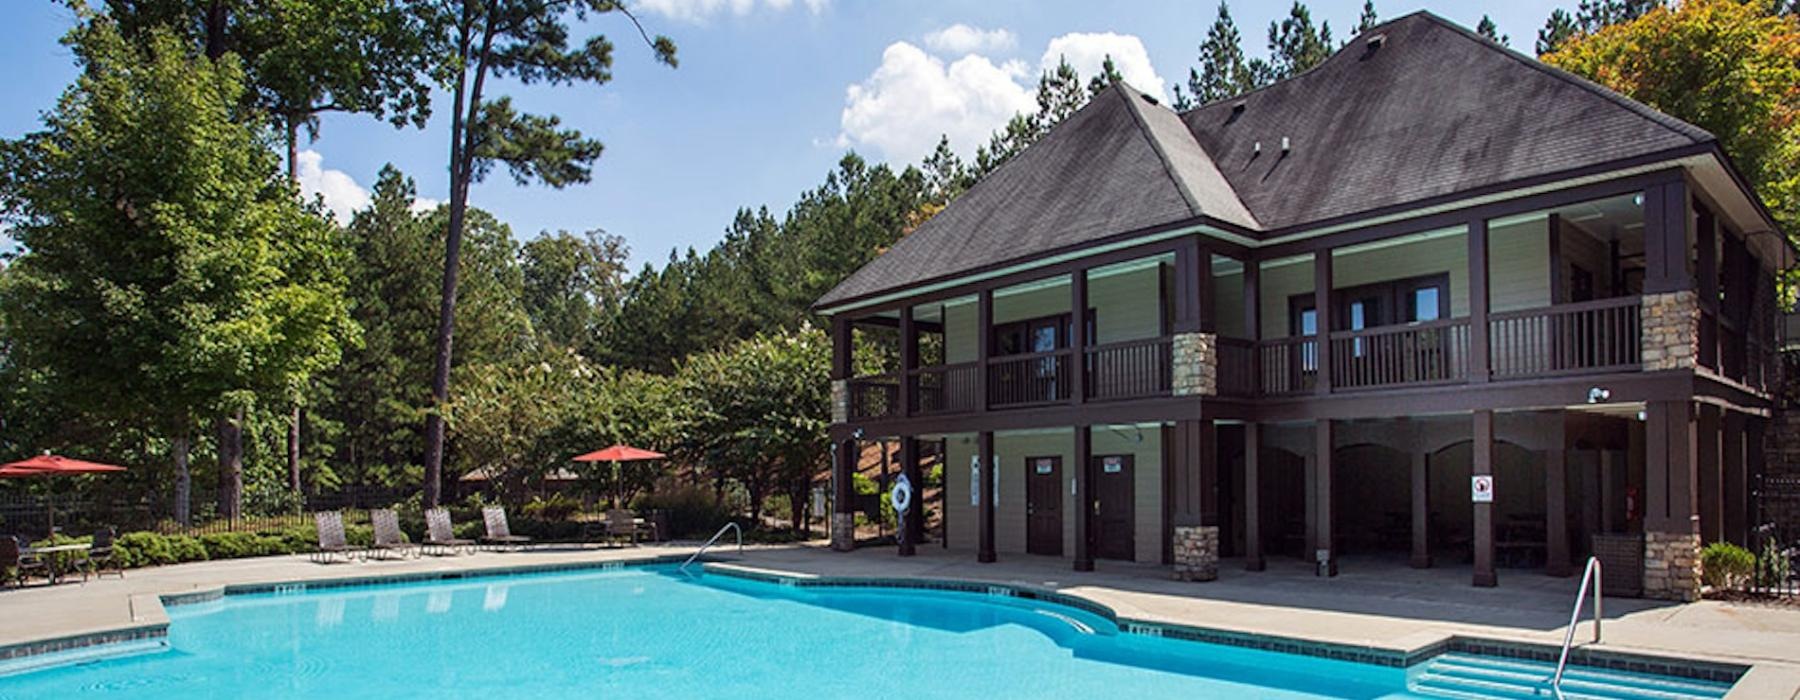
x=1196 y=553
x=1672 y=566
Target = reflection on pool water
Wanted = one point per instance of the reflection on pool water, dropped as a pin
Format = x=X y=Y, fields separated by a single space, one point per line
x=654 y=633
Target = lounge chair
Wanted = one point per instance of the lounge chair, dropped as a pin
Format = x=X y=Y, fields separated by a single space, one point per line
x=332 y=542
x=19 y=563
x=388 y=537
x=440 y=536
x=98 y=558
x=498 y=534
x=622 y=524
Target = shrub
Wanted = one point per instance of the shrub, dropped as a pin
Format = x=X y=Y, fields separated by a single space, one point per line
x=691 y=510
x=135 y=549
x=1774 y=567
x=556 y=507
x=1726 y=566
x=187 y=548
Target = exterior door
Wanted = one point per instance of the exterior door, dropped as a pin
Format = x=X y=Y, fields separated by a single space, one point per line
x=1114 y=507
x=1043 y=506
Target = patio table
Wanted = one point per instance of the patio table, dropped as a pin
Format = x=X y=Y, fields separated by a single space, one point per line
x=52 y=563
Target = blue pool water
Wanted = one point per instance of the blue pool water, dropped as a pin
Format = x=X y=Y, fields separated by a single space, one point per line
x=652 y=633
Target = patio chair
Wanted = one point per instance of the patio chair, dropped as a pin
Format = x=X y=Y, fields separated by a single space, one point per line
x=498 y=534
x=440 y=536
x=20 y=564
x=99 y=558
x=622 y=524
x=332 y=542
x=388 y=537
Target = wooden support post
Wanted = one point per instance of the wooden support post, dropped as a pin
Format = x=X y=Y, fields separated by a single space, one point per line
x=1709 y=489
x=1556 y=512
x=1736 y=491
x=1666 y=249
x=1479 y=361
x=843 y=496
x=985 y=451
x=1324 y=553
x=1191 y=269
x=909 y=360
x=1078 y=304
x=1082 y=473
x=1322 y=319
x=1253 y=546
x=842 y=347
x=1670 y=467
x=1706 y=266
x=1253 y=321
x=1483 y=465
x=984 y=341
x=1421 y=508
x=913 y=528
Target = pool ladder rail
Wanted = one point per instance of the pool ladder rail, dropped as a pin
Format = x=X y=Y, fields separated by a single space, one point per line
x=1590 y=575
x=710 y=542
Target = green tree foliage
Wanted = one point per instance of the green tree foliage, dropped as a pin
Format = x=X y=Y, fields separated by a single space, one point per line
x=1490 y=31
x=529 y=41
x=759 y=410
x=1223 y=70
x=1059 y=94
x=1590 y=16
x=571 y=284
x=1295 y=46
x=375 y=405
x=1725 y=66
x=1109 y=74
x=1368 y=19
x=169 y=271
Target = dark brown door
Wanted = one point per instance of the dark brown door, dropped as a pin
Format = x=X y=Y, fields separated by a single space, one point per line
x=1043 y=505
x=1113 y=507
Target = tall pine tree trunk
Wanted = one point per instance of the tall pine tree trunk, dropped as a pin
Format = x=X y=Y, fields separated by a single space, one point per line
x=293 y=437
x=184 y=481
x=230 y=429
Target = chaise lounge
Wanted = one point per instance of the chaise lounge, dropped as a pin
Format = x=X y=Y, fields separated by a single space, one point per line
x=388 y=537
x=332 y=542
x=498 y=533
x=440 y=537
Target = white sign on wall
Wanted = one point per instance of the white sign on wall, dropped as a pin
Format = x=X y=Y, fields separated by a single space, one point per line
x=1481 y=488
x=1112 y=465
x=974 y=480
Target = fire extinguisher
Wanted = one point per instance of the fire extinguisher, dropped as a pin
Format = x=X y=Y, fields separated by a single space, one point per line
x=1631 y=503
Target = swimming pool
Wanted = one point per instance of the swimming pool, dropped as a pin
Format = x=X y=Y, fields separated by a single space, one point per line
x=653 y=633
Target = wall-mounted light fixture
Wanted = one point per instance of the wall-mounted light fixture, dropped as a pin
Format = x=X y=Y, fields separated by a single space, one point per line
x=1599 y=394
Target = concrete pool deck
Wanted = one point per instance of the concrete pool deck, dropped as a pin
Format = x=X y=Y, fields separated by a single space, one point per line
x=1374 y=604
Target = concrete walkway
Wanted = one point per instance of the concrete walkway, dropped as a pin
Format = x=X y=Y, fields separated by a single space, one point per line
x=1371 y=603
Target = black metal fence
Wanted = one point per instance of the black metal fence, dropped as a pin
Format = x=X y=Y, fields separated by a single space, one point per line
x=31 y=514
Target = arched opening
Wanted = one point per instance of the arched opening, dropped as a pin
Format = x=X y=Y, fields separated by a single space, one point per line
x=1372 y=494
x=1519 y=522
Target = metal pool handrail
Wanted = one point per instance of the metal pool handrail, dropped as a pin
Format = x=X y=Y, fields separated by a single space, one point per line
x=1590 y=574
x=715 y=538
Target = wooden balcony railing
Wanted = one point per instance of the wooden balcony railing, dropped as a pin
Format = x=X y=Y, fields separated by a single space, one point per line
x=1130 y=370
x=1237 y=367
x=1289 y=365
x=1031 y=378
x=1591 y=336
x=945 y=389
x=876 y=396
x=1435 y=352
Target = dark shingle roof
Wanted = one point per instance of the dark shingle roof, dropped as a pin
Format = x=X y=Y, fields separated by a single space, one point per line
x=1436 y=110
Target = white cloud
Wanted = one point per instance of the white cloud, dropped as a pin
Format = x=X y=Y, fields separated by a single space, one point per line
x=341 y=193
x=425 y=205
x=701 y=10
x=1086 y=52
x=959 y=39
x=913 y=97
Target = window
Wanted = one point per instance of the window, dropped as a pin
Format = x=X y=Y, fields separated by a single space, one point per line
x=1417 y=299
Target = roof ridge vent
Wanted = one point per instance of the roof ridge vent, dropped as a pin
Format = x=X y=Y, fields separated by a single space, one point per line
x=1376 y=41
x=1284 y=145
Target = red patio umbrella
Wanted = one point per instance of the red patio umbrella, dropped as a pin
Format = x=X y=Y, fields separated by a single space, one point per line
x=48 y=464
x=617 y=454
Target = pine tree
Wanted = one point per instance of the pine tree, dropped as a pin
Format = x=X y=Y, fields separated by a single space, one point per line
x=1368 y=20
x=1294 y=47
x=1109 y=74
x=1558 y=29
x=1223 y=71
x=1490 y=31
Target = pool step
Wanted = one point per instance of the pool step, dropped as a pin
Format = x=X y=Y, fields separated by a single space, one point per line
x=1468 y=676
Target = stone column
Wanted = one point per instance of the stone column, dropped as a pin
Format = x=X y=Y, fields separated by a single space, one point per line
x=1196 y=552
x=1671 y=522
x=843 y=496
x=1196 y=364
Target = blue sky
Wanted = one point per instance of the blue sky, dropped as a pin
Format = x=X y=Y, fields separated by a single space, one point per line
x=769 y=95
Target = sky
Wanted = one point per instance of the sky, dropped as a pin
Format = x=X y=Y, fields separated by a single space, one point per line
x=769 y=95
